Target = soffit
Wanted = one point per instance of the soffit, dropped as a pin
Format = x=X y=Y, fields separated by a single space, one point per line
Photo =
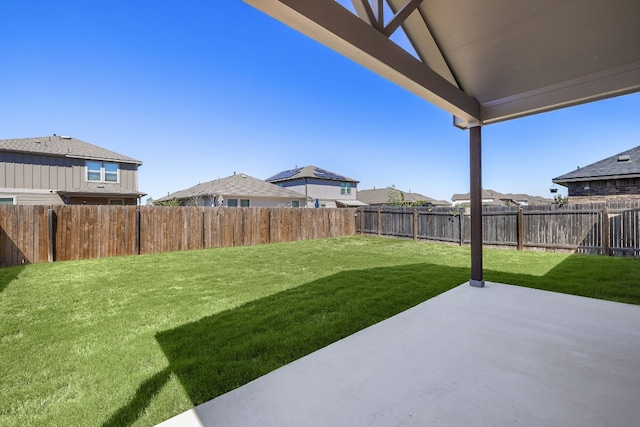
x=487 y=61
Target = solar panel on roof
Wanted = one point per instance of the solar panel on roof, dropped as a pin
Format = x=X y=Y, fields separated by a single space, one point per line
x=284 y=174
x=321 y=173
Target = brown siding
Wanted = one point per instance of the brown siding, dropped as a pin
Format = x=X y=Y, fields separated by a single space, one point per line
x=27 y=171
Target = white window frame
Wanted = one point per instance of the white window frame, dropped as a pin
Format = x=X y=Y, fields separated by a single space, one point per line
x=103 y=171
x=14 y=200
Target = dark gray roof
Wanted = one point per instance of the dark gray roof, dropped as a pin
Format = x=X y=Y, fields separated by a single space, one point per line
x=379 y=196
x=621 y=165
x=238 y=185
x=308 y=172
x=63 y=146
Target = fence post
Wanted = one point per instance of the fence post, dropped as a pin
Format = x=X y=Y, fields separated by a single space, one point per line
x=606 y=232
x=461 y=225
x=138 y=231
x=379 y=222
x=415 y=224
x=520 y=225
x=51 y=230
x=202 y=225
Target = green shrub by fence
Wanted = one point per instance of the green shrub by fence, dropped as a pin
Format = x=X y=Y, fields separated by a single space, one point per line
x=32 y=234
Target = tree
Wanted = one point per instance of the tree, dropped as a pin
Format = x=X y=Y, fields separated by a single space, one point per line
x=396 y=197
x=172 y=202
x=558 y=199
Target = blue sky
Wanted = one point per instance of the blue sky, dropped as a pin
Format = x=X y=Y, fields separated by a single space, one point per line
x=199 y=90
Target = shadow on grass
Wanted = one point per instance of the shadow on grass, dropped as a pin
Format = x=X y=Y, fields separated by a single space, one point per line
x=8 y=275
x=608 y=278
x=129 y=413
x=219 y=353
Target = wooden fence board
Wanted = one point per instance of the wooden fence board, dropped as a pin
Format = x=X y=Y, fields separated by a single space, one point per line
x=579 y=228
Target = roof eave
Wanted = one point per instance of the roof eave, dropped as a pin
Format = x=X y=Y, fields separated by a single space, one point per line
x=337 y=28
x=561 y=180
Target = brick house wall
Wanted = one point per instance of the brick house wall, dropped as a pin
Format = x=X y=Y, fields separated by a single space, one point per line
x=604 y=190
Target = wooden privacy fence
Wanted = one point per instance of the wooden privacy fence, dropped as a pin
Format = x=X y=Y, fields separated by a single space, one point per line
x=32 y=234
x=611 y=229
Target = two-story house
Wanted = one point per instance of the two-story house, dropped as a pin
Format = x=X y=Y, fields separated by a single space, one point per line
x=615 y=178
x=60 y=169
x=324 y=189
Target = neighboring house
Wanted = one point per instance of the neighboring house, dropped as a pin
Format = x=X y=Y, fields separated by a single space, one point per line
x=56 y=169
x=615 y=178
x=237 y=190
x=392 y=196
x=494 y=198
x=325 y=189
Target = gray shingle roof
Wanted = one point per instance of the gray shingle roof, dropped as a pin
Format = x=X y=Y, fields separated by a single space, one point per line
x=621 y=165
x=309 y=172
x=239 y=185
x=501 y=199
x=63 y=146
x=379 y=196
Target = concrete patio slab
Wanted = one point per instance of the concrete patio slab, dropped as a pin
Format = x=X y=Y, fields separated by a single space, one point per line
x=495 y=356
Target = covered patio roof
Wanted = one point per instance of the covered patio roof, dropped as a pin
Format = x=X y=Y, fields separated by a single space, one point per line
x=483 y=61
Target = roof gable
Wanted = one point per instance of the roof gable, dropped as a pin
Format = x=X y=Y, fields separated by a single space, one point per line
x=63 y=146
x=384 y=196
x=308 y=172
x=238 y=185
x=622 y=164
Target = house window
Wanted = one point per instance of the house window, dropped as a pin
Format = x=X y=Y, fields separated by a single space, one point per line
x=244 y=203
x=232 y=203
x=102 y=171
x=116 y=202
x=7 y=201
x=295 y=203
x=111 y=172
x=94 y=171
x=345 y=188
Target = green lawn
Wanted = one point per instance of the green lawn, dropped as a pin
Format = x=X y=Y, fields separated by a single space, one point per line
x=136 y=340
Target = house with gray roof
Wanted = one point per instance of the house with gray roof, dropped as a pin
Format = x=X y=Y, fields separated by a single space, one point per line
x=237 y=190
x=59 y=169
x=616 y=178
x=495 y=198
x=323 y=188
x=390 y=196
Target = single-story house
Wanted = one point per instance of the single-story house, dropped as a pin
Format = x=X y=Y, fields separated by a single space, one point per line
x=58 y=169
x=324 y=189
x=237 y=190
x=392 y=196
x=495 y=198
x=615 y=178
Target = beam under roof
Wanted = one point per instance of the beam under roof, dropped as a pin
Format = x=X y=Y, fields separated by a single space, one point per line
x=334 y=26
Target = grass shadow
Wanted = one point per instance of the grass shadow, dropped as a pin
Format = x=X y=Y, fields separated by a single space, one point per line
x=128 y=414
x=8 y=275
x=219 y=353
x=601 y=277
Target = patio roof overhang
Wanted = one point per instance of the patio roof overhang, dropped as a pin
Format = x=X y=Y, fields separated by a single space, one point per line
x=483 y=61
